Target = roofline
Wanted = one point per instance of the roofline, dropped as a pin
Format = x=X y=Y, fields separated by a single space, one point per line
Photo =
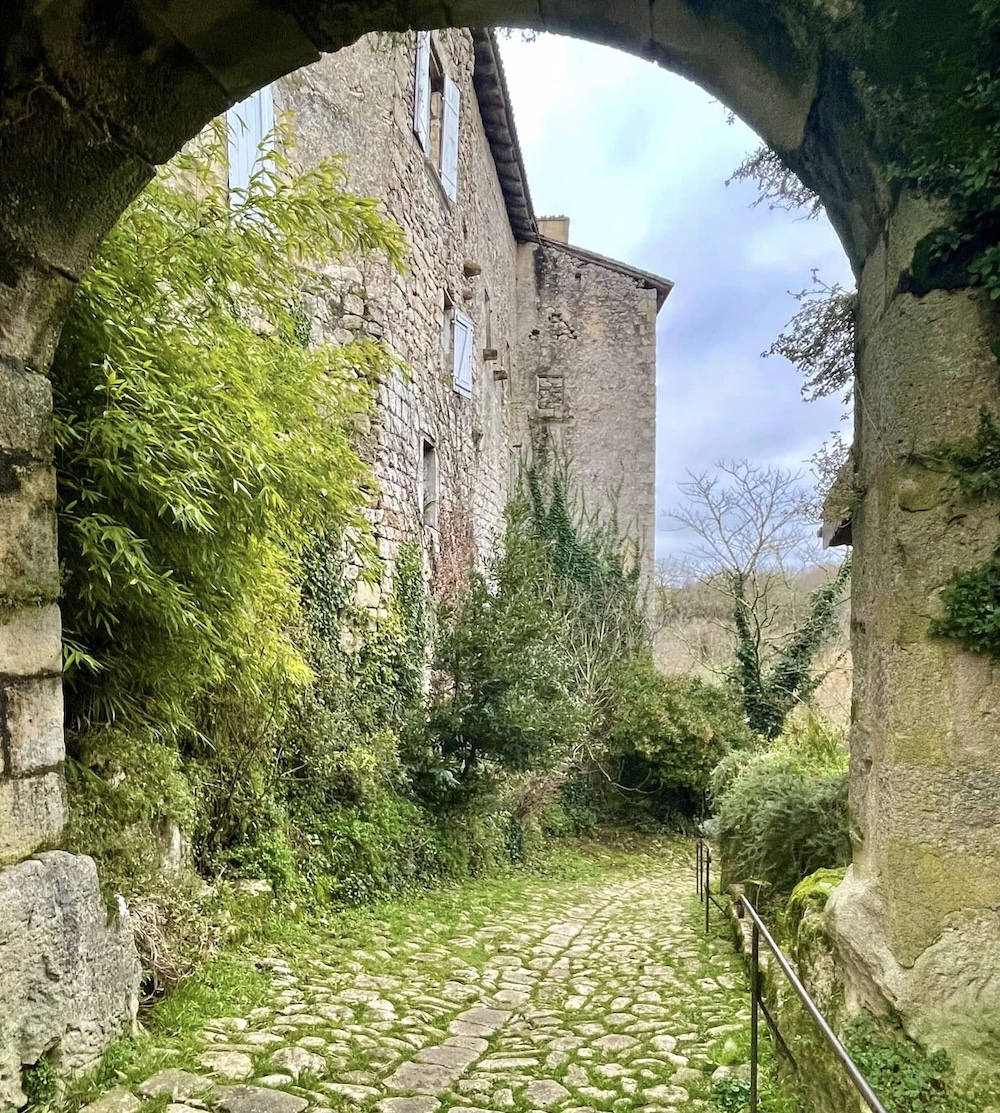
x=490 y=84
x=651 y=281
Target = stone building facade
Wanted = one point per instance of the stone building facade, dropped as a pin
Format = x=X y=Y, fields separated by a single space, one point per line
x=513 y=341
x=585 y=376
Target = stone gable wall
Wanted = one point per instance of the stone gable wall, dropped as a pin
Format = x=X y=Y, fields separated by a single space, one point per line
x=585 y=381
x=360 y=101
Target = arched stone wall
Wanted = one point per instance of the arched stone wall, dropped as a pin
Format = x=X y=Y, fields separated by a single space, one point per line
x=94 y=96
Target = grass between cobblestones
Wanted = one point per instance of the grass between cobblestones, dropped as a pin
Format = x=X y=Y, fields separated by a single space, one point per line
x=587 y=985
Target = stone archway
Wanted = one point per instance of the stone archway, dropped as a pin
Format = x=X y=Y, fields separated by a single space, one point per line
x=94 y=96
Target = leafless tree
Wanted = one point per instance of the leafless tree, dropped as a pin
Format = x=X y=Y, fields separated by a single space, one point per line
x=749 y=538
x=745 y=518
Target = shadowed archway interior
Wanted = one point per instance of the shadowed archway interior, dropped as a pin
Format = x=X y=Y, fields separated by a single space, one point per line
x=96 y=96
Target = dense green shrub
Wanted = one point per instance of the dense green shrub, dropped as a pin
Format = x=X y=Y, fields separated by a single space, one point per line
x=124 y=792
x=546 y=668
x=665 y=736
x=203 y=458
x=906 y=1078
x=502 y=697
x=590 y=575
x=783 y=814
x=340 y=815
x=576 y=807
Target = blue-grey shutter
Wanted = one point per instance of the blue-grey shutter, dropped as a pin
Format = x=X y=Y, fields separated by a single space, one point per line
x=463 y=351
x=422 y=91
x=248 y=123
x=449 y=138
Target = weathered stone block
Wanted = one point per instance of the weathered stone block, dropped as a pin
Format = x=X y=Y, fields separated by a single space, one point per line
x=258 y=1099
x=35 y=724
x=68 y=977
x=118 y=1100
x=948 y=997
x=30 y=640
x=29 y=561
x=32 y=814
x=25 y=411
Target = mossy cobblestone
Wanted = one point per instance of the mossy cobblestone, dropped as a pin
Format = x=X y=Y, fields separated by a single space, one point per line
x=543 y=994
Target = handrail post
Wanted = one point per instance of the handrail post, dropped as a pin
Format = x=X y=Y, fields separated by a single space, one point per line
x=708 y=886
x=754 y=1011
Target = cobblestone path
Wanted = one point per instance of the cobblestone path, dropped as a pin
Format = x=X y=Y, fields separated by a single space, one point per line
x=545 y=995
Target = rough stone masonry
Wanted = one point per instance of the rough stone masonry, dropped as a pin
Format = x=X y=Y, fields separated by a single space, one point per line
x=94 y=96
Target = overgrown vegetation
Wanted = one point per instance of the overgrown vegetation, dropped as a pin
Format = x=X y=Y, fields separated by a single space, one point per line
x=651 y=740
x=971 y=599
x=782 y=812
x=233 y=714
x=749 y=535
x=771 y=693
x=202 y=448
x=224 y=692
x=665 y=738
x=906 y=1078
x=503 y=698
x=952 y=153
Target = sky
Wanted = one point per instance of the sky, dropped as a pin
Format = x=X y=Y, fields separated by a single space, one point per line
x=638 y=159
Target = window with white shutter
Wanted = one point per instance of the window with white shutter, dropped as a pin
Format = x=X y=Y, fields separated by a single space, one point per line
x=248 y=124
x=462 y=354
x=449 y=138
x=422 y=91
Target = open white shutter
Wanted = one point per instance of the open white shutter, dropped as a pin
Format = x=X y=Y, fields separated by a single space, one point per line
x=449 y=138
x=265 y=101
x=462 y=370
x=247 y=124
x=422 y=90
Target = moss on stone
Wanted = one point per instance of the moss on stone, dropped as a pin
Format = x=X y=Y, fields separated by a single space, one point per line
x=811 y=895
x=925 y=884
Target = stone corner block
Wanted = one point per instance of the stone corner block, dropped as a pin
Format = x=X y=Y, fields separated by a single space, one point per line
x=34 y=714
x=32 y=814
x=25 y=411
x=29 y=555
x=69 y=976
x=30 y=640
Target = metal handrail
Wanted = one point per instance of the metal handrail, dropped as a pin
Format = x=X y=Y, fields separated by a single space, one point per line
x=759 y=931
x=703 y=874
